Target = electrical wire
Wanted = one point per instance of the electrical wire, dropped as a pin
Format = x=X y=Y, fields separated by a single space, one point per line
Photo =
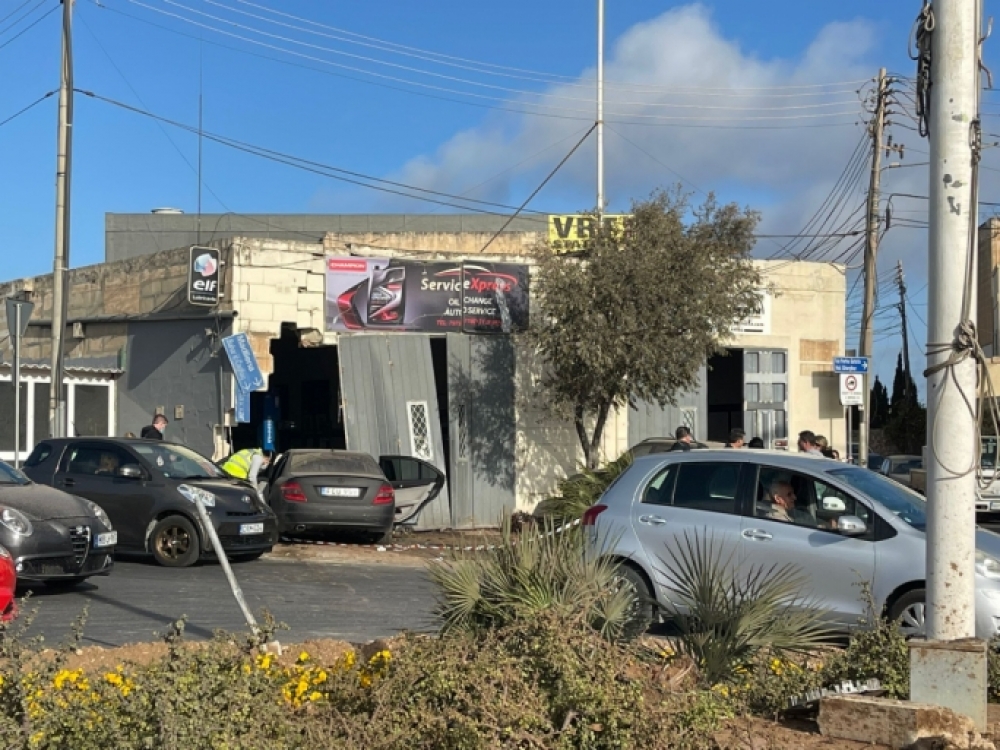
x=488 y=68
x=566 y=111
x=507 y=106
x=30 y=26
x=20 y=112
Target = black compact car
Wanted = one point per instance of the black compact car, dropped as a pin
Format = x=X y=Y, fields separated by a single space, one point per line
x=314 y=490
x=147 y=487
x=54 y=537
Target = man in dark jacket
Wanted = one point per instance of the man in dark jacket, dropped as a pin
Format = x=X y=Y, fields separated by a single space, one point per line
x=155 y=430
x=684 y=439
x=737 y=438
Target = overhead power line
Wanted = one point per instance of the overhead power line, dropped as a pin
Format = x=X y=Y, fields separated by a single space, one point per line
x=527 y=107
x=20 y=112
x=488 y=68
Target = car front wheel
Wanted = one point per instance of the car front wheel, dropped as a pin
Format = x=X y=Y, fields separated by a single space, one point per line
x=174 y=542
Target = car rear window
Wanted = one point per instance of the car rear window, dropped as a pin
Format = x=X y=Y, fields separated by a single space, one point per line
x=332 y=463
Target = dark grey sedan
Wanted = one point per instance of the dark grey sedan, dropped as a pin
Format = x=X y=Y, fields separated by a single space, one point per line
x=314 y=490
x=54 y=537
x=148 y=487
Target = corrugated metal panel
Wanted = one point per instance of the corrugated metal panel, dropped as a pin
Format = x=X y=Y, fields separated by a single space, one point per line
x=650 y=420
x=380 y=375
x=492 y=428
x=481 y=402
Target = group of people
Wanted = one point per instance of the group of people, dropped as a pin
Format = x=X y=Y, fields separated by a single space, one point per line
x=809 y=442
x=245 y=464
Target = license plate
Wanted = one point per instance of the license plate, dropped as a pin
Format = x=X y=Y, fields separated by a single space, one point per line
x=251 y=528
x=340 y=491
x=107 y=539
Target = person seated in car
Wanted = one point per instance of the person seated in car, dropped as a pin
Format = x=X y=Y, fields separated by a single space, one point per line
x=783 y=505
x=108 y=465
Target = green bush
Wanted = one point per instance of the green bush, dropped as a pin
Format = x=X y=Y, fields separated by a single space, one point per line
x=544 y=683
x=546 y=570
x=728 y=615
x=577 y=493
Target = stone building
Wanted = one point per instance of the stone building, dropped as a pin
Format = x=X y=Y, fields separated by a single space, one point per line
x=463 y=400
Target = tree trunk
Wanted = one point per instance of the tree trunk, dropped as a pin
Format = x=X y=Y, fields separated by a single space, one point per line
x=591 y=444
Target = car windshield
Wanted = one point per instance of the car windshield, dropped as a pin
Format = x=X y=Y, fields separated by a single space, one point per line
x=178 y=462
x=10 y=475
x=332 y=463
x=908 y=506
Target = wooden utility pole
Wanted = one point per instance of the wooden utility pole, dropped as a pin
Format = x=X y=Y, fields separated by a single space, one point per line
x=901 y=283
x=871 y=252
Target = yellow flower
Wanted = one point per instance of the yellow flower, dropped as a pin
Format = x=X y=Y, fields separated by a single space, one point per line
x=315 y=696
x=246 y=669
x=321 y=677
x=303 y=657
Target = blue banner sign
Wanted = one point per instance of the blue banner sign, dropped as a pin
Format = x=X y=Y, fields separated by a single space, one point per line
x=856 y=365
x=244 y=363
x=242 y=406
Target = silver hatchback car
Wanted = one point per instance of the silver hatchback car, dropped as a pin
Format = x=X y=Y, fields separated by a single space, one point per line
x=839 y=524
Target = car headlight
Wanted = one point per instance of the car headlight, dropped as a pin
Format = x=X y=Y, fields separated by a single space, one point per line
x=987 y=566
x=197 y=493
x=98 y=511
x=16 y=521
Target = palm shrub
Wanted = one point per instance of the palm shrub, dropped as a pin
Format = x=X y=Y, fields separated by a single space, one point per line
x=549 y=570
x=577 y=493
x=727 y=614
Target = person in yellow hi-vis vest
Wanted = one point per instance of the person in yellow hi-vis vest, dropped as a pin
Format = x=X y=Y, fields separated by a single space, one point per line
x=247 y=464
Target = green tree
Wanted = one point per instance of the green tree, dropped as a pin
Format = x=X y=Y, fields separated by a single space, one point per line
x=879 y=404
x=903 y=388
x=635 y=316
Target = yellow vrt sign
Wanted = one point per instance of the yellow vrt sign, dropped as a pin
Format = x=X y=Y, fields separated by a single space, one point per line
x=569 y=231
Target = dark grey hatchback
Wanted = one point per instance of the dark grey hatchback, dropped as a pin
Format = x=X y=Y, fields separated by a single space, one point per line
x=147 y=486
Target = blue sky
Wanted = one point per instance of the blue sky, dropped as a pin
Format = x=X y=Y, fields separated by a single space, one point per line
x=134 y=51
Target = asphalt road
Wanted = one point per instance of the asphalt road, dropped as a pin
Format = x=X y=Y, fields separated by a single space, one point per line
x=138 y=601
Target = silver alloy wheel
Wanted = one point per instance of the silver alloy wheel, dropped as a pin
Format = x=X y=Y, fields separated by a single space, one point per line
x=912 y=620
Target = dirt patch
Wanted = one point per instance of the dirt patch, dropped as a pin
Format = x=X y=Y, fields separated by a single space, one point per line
x=760 y=734
x=409 y=548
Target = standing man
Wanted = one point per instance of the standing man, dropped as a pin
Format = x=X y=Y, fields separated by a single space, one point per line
x=247 y=464
x=155 y=430
x=737 y=438
x=684 y=439
x=807 y=443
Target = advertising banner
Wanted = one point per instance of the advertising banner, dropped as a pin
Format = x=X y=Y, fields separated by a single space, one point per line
x=388 y=294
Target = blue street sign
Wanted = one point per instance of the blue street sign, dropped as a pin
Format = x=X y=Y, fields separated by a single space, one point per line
x=243 y=362
x=242 y=406
x=857 y=365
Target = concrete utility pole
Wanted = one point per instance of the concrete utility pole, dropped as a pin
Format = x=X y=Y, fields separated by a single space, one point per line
x=871 y=251
x=901 y=283
x=64 y=160
x=600 y=107
x=949 y=669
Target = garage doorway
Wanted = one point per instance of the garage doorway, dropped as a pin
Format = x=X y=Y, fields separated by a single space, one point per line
x=725 y=394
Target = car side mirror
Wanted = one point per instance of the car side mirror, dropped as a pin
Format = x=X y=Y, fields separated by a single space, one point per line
x=130 y=471
x=834 y=504
x=851 y=526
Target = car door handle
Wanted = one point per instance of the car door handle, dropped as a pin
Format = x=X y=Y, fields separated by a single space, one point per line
x=758 y=535
x=654 y=520
x=68 y=483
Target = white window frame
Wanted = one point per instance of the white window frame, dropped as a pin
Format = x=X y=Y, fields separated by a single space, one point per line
x=28 y=413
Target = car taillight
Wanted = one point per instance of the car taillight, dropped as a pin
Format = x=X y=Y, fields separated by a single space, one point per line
x=385 y=496
x=590 y=515
x=292 y=492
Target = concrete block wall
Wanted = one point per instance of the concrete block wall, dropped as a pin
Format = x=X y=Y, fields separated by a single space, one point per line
x=155 y=283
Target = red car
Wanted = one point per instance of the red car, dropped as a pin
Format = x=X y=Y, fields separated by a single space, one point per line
x=8 y=582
